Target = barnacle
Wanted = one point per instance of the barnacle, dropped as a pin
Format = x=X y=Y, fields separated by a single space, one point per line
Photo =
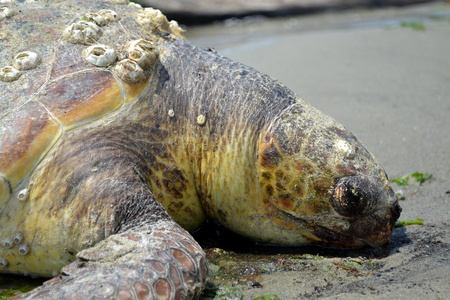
x=154 y=19
x=21 y=196
x=9 y=73
x=345 y=148
x=201 y=120
x=82 y=32
x=18 y=238
x=129 y=71
x=7 y=243
x=109 y=15
x=100 y=55
x=120 y=1
x=175 y=28
x=24 y=249
x=96 y=18
x=135 y=5
x=3 y=263
x=5 y=12
x=26 y=60
x=143 y=52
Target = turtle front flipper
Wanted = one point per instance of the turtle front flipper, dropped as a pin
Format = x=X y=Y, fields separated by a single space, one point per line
x=157 y=261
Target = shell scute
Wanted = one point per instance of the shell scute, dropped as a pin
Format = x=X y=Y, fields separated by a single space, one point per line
x=26 y=135
x=66 y=62
x=82 y=97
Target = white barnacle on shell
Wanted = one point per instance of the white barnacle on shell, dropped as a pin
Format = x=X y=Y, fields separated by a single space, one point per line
x=135 y=5
x=82 y=32
x=8 y=243
x=96 y=18
x=100 y=55
x=26 y=60
x=153 y=18
x=120 y=1
x=3 y=263
x=171 y=113
x=5 y=12
x=201 y=120
x=18 y=238
x=24 y=249
x=346 y=148
x=22 y=194
x=9 y=73
x=109 y=15
x=175 y=28
x=129 y=71
x=143 y=52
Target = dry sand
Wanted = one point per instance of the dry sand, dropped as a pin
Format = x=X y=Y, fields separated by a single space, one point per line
x=390 y=85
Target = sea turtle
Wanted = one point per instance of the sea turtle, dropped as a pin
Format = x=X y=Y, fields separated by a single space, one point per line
x=117 y=137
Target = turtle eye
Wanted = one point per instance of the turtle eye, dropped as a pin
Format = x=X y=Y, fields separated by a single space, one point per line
x=354 y=196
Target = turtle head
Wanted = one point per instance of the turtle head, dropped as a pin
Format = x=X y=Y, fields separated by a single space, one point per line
x=320 y=185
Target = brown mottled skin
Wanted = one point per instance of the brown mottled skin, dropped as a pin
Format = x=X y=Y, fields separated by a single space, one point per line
x=96 y=173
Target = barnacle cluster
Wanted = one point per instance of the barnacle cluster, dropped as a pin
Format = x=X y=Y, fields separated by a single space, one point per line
x=142 y=55
x=23 y=248
x=22 y=61
x=87 y=30
x=154 y=19
x=82 y=32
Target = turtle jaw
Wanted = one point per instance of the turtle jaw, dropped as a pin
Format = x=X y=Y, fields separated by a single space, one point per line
x=381 y=237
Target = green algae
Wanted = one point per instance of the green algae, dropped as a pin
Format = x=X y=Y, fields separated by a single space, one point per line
x=419 y=177
x=414 y=25
x=228 y=293
x=5 y=294
x=402 y=223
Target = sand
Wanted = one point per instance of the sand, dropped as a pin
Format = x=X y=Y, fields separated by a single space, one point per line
x=387 y=80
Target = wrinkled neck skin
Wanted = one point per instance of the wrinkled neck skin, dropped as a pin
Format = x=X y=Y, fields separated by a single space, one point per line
x=262 y=162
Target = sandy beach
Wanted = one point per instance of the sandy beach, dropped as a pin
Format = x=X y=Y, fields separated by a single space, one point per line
x=385 y=75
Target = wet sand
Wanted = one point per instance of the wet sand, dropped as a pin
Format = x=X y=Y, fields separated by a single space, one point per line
x=387 y=79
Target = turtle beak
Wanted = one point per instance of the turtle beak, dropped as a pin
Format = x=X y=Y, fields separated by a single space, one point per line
x=381 y=236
